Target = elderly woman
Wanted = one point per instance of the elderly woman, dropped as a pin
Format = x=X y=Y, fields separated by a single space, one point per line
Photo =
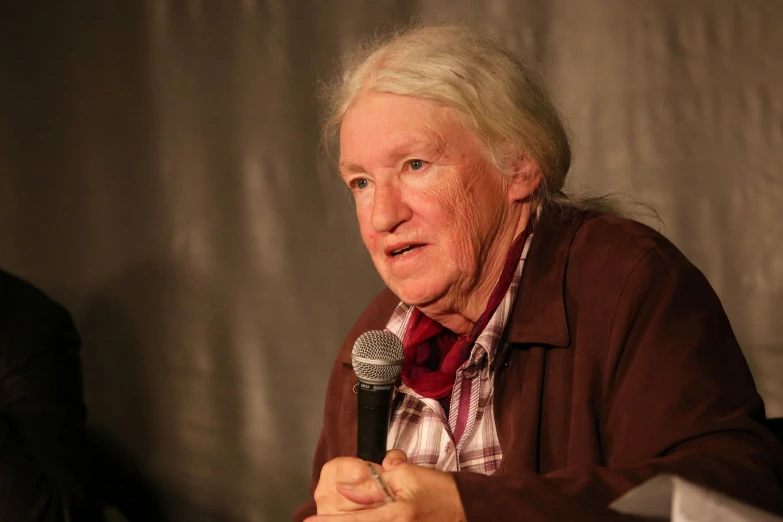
x=556 y=355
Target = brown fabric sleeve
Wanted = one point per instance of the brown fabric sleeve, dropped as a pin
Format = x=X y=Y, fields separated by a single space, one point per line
x=321 y=457
x=678 y=398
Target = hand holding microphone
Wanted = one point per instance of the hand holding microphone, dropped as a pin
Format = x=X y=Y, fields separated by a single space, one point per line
x=377 y=361
x=361 y=489
x=347 y=489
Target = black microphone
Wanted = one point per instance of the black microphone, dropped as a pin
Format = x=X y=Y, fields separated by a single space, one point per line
x=377 y=361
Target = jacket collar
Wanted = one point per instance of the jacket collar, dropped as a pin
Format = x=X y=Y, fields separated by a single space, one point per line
x=539 y=314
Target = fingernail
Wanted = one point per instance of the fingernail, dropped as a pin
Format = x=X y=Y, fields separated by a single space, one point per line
x=397 y=462
x=345 y=485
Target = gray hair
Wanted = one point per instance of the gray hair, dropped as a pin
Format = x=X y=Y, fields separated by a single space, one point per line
x=498 y=95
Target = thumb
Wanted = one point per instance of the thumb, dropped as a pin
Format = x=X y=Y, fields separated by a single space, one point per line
x=365 y=492
x=393 y=459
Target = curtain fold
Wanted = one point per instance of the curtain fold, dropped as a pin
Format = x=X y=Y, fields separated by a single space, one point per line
x=160 y=176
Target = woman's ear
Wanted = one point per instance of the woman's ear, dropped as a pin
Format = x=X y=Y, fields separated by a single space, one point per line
x=526 y=179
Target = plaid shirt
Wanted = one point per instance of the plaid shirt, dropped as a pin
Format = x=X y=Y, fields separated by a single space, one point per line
x=419 y=426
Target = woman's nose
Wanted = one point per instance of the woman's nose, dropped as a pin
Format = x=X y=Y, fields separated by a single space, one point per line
x=389 y=208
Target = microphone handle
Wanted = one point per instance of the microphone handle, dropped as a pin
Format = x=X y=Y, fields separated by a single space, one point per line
x=374 y=413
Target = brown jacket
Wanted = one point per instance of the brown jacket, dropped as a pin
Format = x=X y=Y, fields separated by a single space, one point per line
x=619 y=364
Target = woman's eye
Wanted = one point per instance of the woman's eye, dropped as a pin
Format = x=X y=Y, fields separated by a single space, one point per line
x=361 y=183
x=415 y=164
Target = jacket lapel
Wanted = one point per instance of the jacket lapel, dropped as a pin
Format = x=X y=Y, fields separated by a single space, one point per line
x=539 y=314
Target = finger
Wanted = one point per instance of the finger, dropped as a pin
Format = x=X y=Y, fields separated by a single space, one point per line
x=367 y=492
x=337 y=503
x=393 y=459
x=381 y=514
x=345 y=469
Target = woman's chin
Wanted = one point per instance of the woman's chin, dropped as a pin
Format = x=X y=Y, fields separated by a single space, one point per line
x=416 y=295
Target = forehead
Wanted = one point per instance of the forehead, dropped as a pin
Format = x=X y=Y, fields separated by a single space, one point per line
x=381 y=125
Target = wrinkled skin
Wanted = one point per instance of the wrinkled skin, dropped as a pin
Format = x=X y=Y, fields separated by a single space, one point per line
x=347 y=493
x=420 y=178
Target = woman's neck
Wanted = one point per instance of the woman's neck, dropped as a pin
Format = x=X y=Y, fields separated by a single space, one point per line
x=460 y=314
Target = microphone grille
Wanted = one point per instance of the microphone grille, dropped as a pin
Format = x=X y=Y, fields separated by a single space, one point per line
x=377 y=357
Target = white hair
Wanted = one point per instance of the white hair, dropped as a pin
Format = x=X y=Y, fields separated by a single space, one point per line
x=498 y=95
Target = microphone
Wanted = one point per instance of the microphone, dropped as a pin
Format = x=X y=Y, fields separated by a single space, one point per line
x=377 y=361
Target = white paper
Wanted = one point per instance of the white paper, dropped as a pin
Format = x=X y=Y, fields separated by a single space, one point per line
x=667 y=497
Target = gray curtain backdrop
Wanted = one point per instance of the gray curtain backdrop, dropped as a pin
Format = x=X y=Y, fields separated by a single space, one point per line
x=160 y=176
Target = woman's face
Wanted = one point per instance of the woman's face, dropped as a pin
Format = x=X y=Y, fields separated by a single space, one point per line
x=431 y=208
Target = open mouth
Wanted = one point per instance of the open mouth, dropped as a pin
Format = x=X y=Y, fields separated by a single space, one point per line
x=400 y=252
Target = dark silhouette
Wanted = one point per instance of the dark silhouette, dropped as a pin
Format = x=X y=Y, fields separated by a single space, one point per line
x=44 y=475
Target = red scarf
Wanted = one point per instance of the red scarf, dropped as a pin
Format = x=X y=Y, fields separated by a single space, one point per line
x=433 y=353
